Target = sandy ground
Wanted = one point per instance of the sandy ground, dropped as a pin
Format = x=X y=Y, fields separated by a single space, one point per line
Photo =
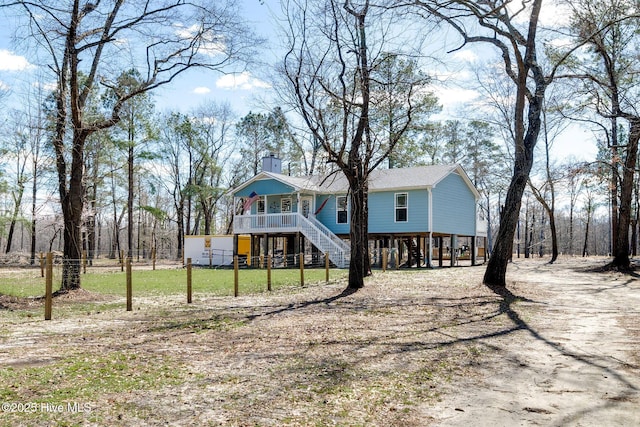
x=432 y=347
x=575 y=363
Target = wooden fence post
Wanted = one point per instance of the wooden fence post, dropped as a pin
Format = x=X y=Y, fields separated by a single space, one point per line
x=326 y=266
x=301 y=268
x=48 y=293
x=268 y=272
x=235 y=276
x=153 y=257
x=188 y=280
x=129 y=286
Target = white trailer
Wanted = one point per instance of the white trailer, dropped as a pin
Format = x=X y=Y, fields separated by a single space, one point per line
x=212 y=250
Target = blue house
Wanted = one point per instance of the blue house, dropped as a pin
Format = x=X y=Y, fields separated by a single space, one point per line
x=416 y=212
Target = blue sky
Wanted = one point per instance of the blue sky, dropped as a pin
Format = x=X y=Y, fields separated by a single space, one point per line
x=185 y=93
x=242 y=91
x=245 y=91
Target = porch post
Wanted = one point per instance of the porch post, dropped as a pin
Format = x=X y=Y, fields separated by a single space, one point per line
x=429 y=248
x=440 y=250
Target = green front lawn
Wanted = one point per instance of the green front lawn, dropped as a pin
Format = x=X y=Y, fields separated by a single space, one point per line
x=28 y=283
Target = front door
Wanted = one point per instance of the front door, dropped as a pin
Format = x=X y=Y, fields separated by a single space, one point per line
x=306 y=206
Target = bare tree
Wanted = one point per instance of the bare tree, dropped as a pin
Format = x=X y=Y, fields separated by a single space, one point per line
x=545 y=191
x=17 y=151
x=84 y=44
x=498 y=24
x=176 y=153
x=609 y=31
x=214 y=125
x=333 y=50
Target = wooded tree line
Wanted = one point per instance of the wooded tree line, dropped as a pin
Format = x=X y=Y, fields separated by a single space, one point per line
x=184 y=163
x=93 y=161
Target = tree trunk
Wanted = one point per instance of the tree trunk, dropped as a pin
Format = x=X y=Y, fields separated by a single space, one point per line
x=358 y=234
x=130 y=196
x=496 y=272
x=72 y=202
x=33 y=236
x=140 y=233
x=181 y=232
x=12 y=227
x=585 y=248
x=570 y=228
x=91 y=230
x=554 y=238
x=17 y=200
x=614 y=183
x=525 y=138
x=621 y=250
x=528 y=240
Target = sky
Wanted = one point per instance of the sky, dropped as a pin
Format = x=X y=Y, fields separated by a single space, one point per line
x=246 y=92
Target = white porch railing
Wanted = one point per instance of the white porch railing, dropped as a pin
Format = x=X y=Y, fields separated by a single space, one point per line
x=315 y=231
x=267 y=223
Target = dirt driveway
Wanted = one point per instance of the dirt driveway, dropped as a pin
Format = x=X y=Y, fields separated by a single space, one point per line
x=576 y=362
x=429 y=347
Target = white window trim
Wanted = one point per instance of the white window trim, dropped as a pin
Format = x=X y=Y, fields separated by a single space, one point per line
x=405 y=207
x=337 y=209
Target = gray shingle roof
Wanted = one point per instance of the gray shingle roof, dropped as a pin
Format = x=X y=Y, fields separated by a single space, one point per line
x=380 y=179
x=389 y=179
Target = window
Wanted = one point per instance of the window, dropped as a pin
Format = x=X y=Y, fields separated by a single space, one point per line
x=341 y=209
x=285 y=205
x=260 y=206
x=401 y=207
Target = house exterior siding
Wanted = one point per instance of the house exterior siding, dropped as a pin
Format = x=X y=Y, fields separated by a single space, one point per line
x=328 y=215
x=382 y=212
x=455 y=211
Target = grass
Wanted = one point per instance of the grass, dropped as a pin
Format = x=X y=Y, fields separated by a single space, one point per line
x=166 y=282
x=70 y=385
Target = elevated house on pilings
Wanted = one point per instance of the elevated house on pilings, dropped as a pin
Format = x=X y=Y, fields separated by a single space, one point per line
x=420 y=216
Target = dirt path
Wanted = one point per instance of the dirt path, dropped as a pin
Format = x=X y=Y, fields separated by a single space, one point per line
x=576 y=363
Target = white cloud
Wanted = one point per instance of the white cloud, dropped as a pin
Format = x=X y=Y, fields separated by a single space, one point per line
x=466 y=55
x=210 y=43
x=49 y=86
x=450 y=97
x=201 y=90
x=11 y=62
x=242 y=81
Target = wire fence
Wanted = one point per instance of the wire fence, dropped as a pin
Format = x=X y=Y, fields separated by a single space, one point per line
x=53 y=275
x=124 y=276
